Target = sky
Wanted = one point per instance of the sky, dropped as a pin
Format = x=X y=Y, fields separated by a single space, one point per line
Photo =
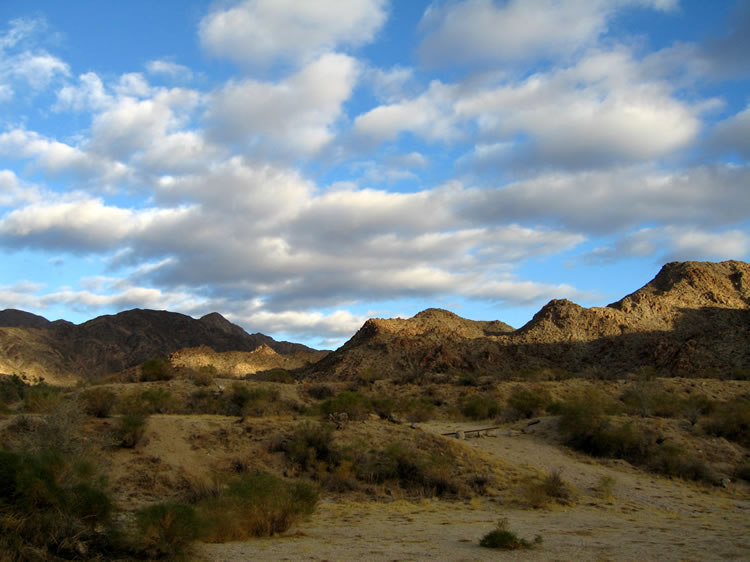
x=300 y=167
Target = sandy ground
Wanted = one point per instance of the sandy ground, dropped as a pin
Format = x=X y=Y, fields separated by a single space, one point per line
x=647 y=518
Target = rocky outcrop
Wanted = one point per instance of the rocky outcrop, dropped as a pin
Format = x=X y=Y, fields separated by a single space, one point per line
x=241 y=363
x=692 y=319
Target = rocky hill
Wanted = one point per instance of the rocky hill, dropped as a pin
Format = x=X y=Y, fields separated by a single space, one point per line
x=61 y=352
x=692 y=319
x=240 y=363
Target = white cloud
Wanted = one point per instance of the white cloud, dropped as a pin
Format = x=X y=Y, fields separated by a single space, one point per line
x=259 y=31
x=294 y=116
x=430 y=115
x=486 y=30
x=88 y=94
x=169 y=68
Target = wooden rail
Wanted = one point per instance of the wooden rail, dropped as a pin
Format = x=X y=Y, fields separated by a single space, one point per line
x=466 y=432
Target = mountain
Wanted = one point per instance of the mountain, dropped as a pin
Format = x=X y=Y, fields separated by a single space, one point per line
x=692 y=319
x=61 y=351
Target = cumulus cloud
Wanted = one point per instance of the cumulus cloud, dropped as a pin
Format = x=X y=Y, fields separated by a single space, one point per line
x=472 y=31
x=259 y=31
x=169 y=68
x=294 y=116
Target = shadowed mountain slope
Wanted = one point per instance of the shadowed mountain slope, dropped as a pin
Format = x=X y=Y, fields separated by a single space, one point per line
x=60 y=351
x=692 y=319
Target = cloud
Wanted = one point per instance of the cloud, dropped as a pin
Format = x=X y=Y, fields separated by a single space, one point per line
x=726 y=56
x=473 y=31
x=19 y=67
x=295 y=116
x=674 y=243
x=733 y=134
x=170 y=69
x=259 y=31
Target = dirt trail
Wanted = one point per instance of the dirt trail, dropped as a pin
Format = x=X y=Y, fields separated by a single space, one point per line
x=648 y=518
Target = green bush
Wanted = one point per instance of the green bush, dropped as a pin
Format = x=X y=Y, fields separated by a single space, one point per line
x=42 y=398
x=320 y=391
x=256 y=505
x=248 y=401
x=98 y=402
x=12 y=389
x=650 y=399
x=355 y=405
x=550 y=488
x=157 y=370
x=166 y=529
x=526 y=402
x=309 y=446
x=480 y=407
x=273 y=375
x=504 y=539
x=49 y=502
x=731 y=420
x=157 y=401
x=417 y=409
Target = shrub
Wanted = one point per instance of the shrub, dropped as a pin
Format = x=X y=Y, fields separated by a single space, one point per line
x=166 y=529
x=479 y=407
x=310 y=445
x=355 y=405
x=605 y=487
x=98 y=402
x=247 y=401
x=417 y=410
x=50 y=503
x=157 y=401
x=525 y=402
x=649 y=399
x=12 y=389
x=550 y=488
x=320 y=391
x=273 y=375
x=130 y=429
x=256 y=505
x=204 y=375
x=731 y=420
x=157 y=370
x=42 y=398
x=504 y=539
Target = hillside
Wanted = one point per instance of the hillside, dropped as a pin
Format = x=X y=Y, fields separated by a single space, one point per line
x=691 y=319
x=60 y=351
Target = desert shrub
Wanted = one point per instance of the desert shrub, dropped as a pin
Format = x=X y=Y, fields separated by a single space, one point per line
x=672 y=461
x=51 y=506
x=743 y=471
x=320 y=391
x=130 y=429
x=650 y=399
x=256 y=505
x=98 y=402
x=249 y=401
x=310 y=446
x=355 y=405
x=731 y=420
x=383 y=405
x=549 y=488
x=166 y=529
x=526 y=402
x=204 y=375
x=417 y=409
x=157 y=401
x=605 y=487
x=273 y=375
x=41 y=398
x=480 y=407
x=206 y=402
x=695 y=406
x=428 y=475
x=157 y=370
x=12 y=389
x=504 y=539
x=581 y=412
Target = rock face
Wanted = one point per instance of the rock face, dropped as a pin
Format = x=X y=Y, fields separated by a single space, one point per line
x=692 y=319
x=240 y=363
x=61 y=351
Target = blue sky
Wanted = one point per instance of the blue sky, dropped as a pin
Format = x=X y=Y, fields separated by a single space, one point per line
x=302 y=166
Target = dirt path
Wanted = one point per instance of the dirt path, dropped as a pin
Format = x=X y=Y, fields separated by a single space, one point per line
x=648 y=518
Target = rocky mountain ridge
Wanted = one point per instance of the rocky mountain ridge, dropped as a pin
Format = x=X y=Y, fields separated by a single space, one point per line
x=61 y=352
x=692 y=319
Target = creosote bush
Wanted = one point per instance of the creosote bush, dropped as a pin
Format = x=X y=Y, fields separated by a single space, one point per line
x=355 y=405
x=98 y=402
x=525 y=402
x=256 y=505
x=480 y=407
x=504 y=539
x=166 y=529
x=157 y=370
